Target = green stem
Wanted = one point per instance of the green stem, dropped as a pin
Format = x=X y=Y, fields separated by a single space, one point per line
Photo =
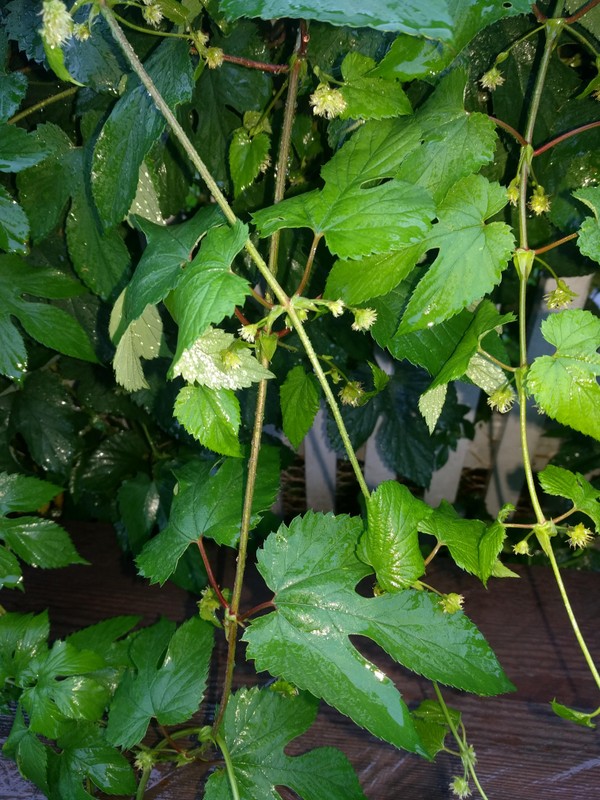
x=494 y=360
x=577 y=35
x=140 y=29
x=234 y=606
x=141 y=789
x=547 y=547
x=229 y=767
x=285 y=142
x=457 y=738
x=48 y=101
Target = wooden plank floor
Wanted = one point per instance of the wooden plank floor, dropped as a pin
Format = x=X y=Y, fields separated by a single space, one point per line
x=524 y=751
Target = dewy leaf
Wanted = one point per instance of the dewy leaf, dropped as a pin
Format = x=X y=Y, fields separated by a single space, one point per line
x=455 y=143
x=212 y=416
x=588 y=240
x=11 y=575
x=39 y=542
x=20 y=493
x=313 y=569
x=13 y=85
x=208 y=291
x=22 y=638
x=209 y=504
x=574 y=486
x=357 y=218
x=28 y=752
x=19 y=150
x=471 y=255
x=369 y=96
x=218 y=360
x=565 y=384
x=14 y=225
x=257 y=727
x=132 y=128
x=166 y=686
x=300 y=397
x=391 y=542
x=433 y=728
x=168 y=251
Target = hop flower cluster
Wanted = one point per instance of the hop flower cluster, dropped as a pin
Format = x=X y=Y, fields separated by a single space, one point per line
x=580 y=536
x=152 y=13
x=351 y=394
x=451 y=603
x=539 y=201
x=522 y=548
x=460 y=787
x=214 y=57
x=502 y=399
x=81 y=31
x=492 y=79
x=512 y=192
x=57 y=24
x=364 y=318
x=327 y=102
x=561 y=296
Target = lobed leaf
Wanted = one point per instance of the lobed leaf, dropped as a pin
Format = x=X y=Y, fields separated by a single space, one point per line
x=574 y=486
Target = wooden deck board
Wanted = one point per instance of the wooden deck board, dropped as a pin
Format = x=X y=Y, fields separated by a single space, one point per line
x=524 y=751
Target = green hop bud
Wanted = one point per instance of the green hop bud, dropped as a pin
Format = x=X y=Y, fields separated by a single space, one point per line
x=561 y=296
x=539 y=202
x=502 y=399
x=327 y=102
x=580 y=536
x=492 y=79
x=451 y=603
x=57 y=24
x=351 y=394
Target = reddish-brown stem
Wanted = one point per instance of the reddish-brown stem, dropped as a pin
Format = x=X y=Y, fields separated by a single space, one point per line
x=583 y=10
x=260 y=299
x=309 y=262
x=539 y=250
x=241 y=317
x=168 y=738
x=509 y=128
x=256 y=609
x=276 y=69
x=541 y=17
x=567 y=135
x=210 y=575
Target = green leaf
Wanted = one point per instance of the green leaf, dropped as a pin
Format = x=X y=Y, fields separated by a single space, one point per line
x=312 y=567
x=431 y=723
x=391 y=541
x=369 y=96
x=472 y=545
x=578 y=717
x=19 y=150
x=48 y=421
x=247 y=157
x=431 y=404
x=300 y=398
x=218 y=360
x=56 y=329
x=22 y=638
x=14 y=225
x=102 y=635
x=141 y=339
x=356 y=218
x=86 y=755
x=410 y=57
x=356 y=281
x=39 y=542
x=56 y=61
x=563 y=483
x=11 y=576
x=212 y=416
x=208 y=504
x=28 y=752
x=455 y=143
x=20 y=493
x=168 y=686
x=13 y=85
x=56 y=688
x=588 y=240
x=97 y=61
x=564 y=384
x=208 y=291
x=139 y=506
x=257 y=727
x=132 y=128
x=455 y=21
x=471 y=255
x=168 y=250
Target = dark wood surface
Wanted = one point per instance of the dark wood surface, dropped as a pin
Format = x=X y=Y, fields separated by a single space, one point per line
x=523 y=750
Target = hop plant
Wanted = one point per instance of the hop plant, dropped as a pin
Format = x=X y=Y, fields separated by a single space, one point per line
x=248 y=333
x=214 y=57
x=459 y=787
x=539 y=201
x=502 y=399
x=364 y=318
x=451 y=603
x=81 y=31
x=561 y=296
x=153 y=14
x=579 y=536
x=57 y=24
x=327 y=102
x=512 y=192
x=522 y=548
x=492 y=79
x=351 y=394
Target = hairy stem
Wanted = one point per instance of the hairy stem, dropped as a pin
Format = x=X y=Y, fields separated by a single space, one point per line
x=275 y=69
x=48 y=101
x=234 y=606
x=284 y=149
x=145 y=777
x=235 y=792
